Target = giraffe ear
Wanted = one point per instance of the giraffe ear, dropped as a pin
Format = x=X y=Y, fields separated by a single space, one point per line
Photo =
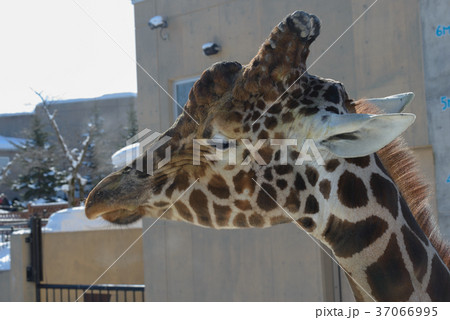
x=358 y=135
x=393 y=104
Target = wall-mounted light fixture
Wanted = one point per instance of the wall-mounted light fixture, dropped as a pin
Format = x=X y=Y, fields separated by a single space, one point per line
x=158 y=22
x=210 y=48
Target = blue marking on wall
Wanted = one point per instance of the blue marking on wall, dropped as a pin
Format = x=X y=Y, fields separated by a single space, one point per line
x=445 y=102
x=442 y=31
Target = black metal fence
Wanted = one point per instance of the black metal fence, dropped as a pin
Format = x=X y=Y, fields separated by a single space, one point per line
x=96 y=293
x=68 y=292
x=5 y=235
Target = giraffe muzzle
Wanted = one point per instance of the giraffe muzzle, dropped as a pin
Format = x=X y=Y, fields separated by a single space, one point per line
x=111 y=200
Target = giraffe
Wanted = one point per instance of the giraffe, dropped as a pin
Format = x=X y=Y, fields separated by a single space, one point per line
x=361 y=202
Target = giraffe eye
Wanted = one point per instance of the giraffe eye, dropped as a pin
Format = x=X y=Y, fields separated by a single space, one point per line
x=220 y=141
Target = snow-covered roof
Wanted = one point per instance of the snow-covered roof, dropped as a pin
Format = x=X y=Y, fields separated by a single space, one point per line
x=6 y=145
x=16 y=114
x=125 y=155
x=108 y=96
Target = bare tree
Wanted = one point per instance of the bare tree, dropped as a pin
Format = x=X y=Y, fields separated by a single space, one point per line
x=5 y=171
x=74 y=158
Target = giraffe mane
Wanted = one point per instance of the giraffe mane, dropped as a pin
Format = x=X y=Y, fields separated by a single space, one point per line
x=402 y=166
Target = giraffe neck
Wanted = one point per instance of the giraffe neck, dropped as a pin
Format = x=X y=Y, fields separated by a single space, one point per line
x=361 y=216
x=376 y=239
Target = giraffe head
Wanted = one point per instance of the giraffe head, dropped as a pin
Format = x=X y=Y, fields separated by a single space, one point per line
x=252 y=108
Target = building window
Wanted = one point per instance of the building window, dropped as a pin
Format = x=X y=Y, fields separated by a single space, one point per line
x=181 y=90
x=3 y=162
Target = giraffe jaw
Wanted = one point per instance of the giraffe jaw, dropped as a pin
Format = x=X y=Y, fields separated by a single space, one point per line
x=110 y=200
x=117 y=216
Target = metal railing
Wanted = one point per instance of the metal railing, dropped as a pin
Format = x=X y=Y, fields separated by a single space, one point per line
x=5 y=236
x=96 y=293
x=72 y=292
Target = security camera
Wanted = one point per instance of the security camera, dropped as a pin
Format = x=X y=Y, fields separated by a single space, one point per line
x=210 y=48
x=157 y=22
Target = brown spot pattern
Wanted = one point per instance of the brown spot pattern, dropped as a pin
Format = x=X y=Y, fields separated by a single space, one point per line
x=439 y=286
x=256 y=220
x=332 y=94
x=199 y=203
x=283 y=169
x=161 y=204
x=265 y=201
x=266 y=154
x=184 y=211
x=362 y=162
x=312 y=175
x=279 y=220
x=244 y=180
x=292 y=201
x=325 y=188
x=181 y=182
x=351 y=191
x=240 y=221
x=412 y=223
x=218 y=187
x=388 y=277
x=385 y=193
x=282 y=184
x=270 y=123
x=268 y=174
x=416 y=252
x=311 y=206
x=222 y=214
x=331 y=165
x=243 y=205
x=347 y=238
x=307 y=223
x=299 y=183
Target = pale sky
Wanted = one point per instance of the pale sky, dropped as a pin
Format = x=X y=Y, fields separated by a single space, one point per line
x=54 y=47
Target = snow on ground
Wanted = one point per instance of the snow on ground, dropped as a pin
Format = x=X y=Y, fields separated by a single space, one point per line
x=5 y=258
x=74 y=219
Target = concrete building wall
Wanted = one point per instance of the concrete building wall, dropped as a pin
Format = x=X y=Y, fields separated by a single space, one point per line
x=380 y=55
x=5 y=279
x=436 y=46
x=189 y=263
x=15 y=125
x=73 y=117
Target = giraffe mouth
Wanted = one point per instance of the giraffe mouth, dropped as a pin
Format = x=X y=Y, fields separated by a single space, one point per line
x=122 y=216
x=113 y=215
x=113 y=200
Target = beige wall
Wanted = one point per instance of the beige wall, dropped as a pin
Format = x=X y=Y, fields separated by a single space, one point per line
x=5 y=285
x=381 y=55
x=75 y=258
x=20 y=288
x=81 y=257
x=189 y=263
